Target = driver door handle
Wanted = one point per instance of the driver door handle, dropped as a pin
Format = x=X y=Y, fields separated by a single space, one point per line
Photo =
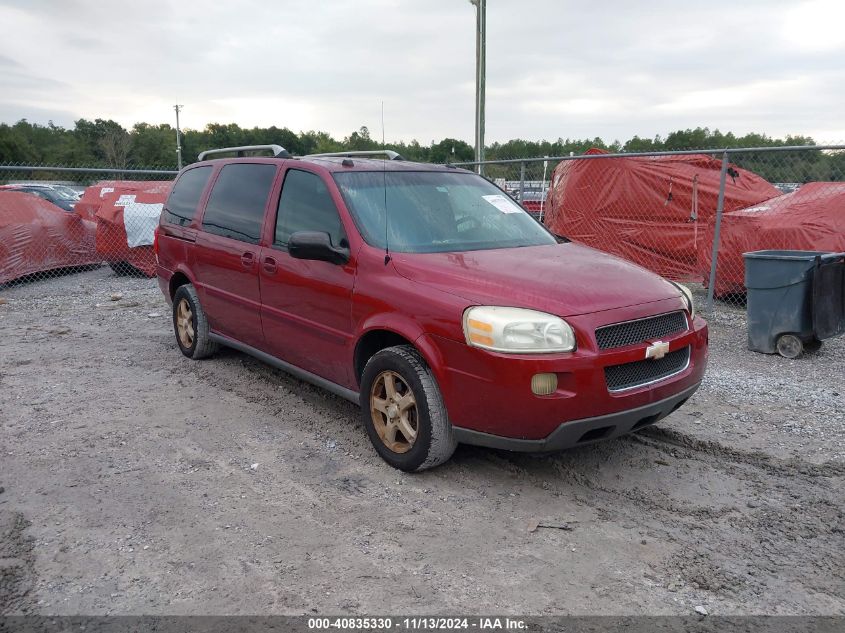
x=269 y=265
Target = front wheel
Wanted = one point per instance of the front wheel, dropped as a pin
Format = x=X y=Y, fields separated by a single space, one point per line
x=403 y=410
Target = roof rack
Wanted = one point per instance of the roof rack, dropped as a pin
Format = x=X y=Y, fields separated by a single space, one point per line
x=278 y=151
x=391 y=155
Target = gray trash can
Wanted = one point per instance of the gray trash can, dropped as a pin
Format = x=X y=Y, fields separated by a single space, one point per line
x=781 y=300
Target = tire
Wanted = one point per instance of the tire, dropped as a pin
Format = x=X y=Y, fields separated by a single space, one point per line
x=433 y=442
x=125 y=269
x=121 y=269
x=193 y=341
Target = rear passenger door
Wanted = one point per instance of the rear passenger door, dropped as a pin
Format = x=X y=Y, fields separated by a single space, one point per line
x=227 y=250
x=306 y=304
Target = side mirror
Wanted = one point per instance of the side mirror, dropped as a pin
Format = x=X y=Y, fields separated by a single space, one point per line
x=318 y=246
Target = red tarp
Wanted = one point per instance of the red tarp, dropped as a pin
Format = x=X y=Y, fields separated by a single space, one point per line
x=36 y=236
x=649 y=210
x=809 y=219
x=105 y=202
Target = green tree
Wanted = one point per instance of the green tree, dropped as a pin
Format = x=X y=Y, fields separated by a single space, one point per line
x=15 y=146
x=103 y=142
x=93 y=139
x=153 y=145
x=451 y=150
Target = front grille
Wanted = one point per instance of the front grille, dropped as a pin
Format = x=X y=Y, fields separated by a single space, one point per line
x=648 y=329
x=643 y=372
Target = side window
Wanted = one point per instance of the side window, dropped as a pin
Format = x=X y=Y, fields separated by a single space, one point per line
x=306 y=205
x=185 y=196
x=236 y=206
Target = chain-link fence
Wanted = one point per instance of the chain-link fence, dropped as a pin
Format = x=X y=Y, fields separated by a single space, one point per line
x=688 y=215
x=59 y=220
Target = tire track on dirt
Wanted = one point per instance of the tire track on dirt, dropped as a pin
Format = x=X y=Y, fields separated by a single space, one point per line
x=672 y=437
x=17 y=575
x=757 y=521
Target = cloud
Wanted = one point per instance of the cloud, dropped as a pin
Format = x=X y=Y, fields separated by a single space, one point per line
x=554 y=69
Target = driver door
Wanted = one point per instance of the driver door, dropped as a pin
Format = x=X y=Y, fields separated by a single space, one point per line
x=306 y=305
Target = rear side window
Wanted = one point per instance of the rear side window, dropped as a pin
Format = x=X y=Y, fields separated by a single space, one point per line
x=236 y=206
x=185 y=196
x=306 y=205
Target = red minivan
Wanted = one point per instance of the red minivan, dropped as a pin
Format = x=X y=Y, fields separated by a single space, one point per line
x=426 y=294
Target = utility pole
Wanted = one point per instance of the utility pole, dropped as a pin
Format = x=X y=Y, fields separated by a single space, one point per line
x=178 y=109
x=480 y=76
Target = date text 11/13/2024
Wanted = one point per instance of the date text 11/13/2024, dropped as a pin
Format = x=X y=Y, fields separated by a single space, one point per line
x=418 y=623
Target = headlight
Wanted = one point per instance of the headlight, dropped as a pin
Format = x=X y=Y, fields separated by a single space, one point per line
x=517 y=330
x=687 y=293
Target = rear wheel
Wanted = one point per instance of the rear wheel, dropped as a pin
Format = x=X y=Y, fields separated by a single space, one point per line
x=191 y=325
x=403 y=410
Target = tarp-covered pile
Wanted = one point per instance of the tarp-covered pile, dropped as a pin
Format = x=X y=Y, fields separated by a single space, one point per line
x=126 y=213
x=650 y=210
x=811 y=218
x=38 y=236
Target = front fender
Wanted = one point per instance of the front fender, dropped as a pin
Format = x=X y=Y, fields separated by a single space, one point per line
x=413 y=310
x=410 y=330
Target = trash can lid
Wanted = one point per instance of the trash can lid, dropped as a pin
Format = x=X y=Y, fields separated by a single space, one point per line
x=787 y=255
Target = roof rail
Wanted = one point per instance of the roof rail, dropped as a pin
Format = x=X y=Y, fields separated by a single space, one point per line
x=391 y=155
x=278 y=151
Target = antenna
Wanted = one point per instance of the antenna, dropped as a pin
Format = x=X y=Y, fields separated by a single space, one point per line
x=384 y=184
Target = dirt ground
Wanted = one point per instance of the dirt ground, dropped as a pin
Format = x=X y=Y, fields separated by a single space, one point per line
x=137 y=481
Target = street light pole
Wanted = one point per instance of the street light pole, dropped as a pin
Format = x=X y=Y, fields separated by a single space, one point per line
x=178 y=108
x=480 y=77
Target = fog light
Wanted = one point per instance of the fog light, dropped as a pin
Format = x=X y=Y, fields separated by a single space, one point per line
x=543 y=384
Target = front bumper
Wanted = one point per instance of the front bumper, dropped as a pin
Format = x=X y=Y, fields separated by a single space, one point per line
x=488 y=394
x=581 y=432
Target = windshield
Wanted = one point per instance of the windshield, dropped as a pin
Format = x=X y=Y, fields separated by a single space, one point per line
x=65 y=193
x=432 y=212
x=48 y=194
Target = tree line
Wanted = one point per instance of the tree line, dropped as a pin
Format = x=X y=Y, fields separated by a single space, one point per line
x=105 y=143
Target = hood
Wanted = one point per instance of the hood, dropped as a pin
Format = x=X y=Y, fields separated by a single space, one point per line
x=563 y=279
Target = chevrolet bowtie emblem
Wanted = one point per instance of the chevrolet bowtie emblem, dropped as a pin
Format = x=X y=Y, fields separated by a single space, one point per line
x=657 y=350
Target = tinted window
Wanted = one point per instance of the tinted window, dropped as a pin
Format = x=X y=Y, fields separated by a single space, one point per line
x=306 y=205
x=236 y=206
x=185 y=196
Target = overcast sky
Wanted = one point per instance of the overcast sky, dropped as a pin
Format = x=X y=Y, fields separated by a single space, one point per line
x=554 y=68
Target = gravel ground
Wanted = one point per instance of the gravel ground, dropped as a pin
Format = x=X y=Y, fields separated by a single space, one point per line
x=140 y=482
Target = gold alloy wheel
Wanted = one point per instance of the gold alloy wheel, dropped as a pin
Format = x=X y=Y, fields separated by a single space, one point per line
x=394 y=411
x=185 y=323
